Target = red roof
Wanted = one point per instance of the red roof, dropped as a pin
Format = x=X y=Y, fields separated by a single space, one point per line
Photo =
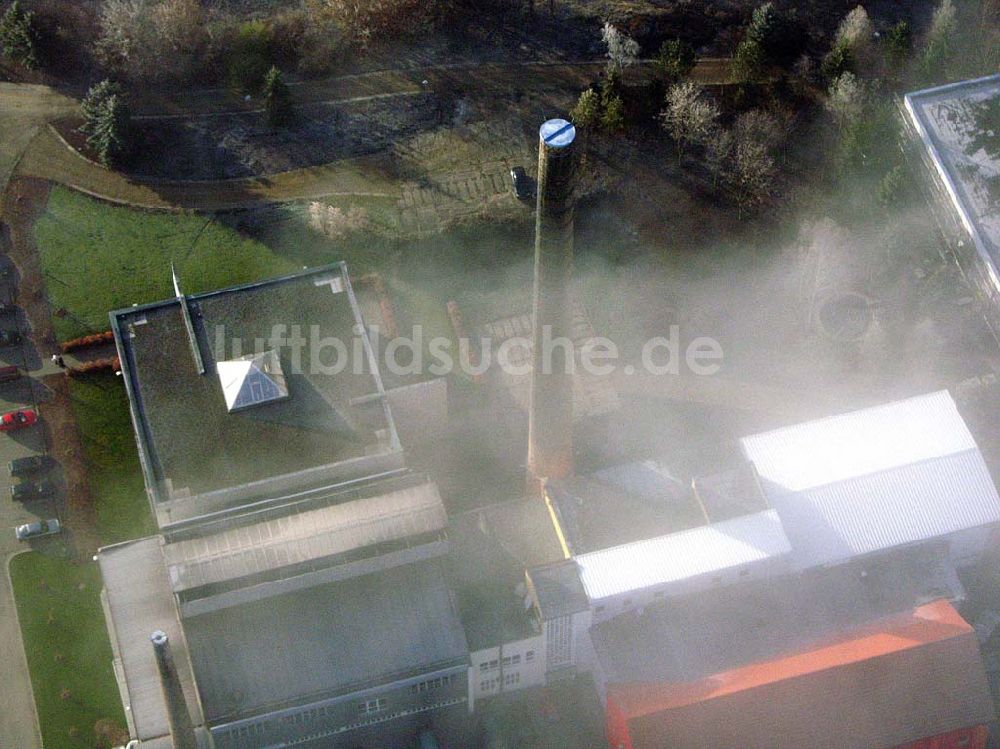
x=897 y=680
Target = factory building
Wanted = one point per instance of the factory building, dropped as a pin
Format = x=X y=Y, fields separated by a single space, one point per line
x=308 y=589
x=954 y=126
x=853 y=531
x=299 y=576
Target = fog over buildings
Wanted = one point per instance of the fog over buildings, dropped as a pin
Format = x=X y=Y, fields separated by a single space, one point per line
x=318 y=588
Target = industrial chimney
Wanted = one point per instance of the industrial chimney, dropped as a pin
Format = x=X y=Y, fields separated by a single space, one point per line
x=550 y=417
x=181 y=729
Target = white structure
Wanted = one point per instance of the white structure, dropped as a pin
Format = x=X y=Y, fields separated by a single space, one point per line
x=251 y=380
x=904 y=473
x=633 y=575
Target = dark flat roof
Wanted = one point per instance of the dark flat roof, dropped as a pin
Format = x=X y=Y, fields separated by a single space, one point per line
x=322 y=641
x=190 y=443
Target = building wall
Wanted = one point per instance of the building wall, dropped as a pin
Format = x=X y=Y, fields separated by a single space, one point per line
x=516 y=665
x=612 y=606
x=337 y=722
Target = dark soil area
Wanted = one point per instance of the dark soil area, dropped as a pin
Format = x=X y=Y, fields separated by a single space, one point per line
x=244 y=145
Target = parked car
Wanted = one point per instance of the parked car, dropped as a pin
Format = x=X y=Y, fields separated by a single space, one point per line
x=37 y=528
x=9 y=337
x=29 y=465
x=29 y=490
x=9 y=372
x=12 y=420
x=520 y=182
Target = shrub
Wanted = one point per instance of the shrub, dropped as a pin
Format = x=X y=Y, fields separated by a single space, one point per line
x=277 y=100
x=250 y=57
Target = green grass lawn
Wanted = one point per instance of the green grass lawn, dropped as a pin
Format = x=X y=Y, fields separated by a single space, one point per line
x=98 y=257
x=67 y=647
x=102 y=416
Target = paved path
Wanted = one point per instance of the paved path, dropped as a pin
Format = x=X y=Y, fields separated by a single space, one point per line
x=24 y=110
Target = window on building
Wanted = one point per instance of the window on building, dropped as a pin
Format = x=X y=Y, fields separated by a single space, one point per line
x=599 y=609
x=484 y=667
x=371 y=706
x=529 y=656
x=744 y=572
x=626 y=603
x=658 y=594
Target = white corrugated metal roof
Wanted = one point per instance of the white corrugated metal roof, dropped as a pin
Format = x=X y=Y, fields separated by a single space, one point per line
x=874 y=479
x=680 y=556
x=307 y=535
x=842 y=447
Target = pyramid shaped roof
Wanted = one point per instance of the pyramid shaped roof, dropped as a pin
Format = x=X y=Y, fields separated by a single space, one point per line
x=252 y=380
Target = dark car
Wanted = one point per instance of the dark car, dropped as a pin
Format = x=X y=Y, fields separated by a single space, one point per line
x=9 y=337
x=520 y=182
x=29 y=465
x=28 y=490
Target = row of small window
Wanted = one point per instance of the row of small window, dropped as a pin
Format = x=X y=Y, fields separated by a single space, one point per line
x=659 y=593
x=508 y=660
x=372 y=706
x=487 y=685
x=435 y=683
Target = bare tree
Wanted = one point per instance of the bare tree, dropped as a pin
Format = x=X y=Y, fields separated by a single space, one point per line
x=847 y=99
x=149 y=39
x=688 y=115
x=760 y=126
x=623 y=50
x=856 y=31
x=748 y=174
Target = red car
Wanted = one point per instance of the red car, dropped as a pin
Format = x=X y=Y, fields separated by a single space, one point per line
x=16 y=419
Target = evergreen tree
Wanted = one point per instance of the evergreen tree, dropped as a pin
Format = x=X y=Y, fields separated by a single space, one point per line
x=107 y=121
x=898 y=45
x=587 y=111
x=277 y=99
x=675 y=60
x=18 y=36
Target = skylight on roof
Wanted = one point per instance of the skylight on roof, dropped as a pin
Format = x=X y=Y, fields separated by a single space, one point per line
x=252 y=380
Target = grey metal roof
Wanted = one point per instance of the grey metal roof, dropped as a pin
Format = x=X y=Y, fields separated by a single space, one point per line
x=558 y=589
x=325 y=640
x=304 y=536
x=139 y=602
x=687 y=554
x=874 y=479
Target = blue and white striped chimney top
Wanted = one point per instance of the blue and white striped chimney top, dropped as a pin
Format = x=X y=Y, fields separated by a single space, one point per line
x=557 y=133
